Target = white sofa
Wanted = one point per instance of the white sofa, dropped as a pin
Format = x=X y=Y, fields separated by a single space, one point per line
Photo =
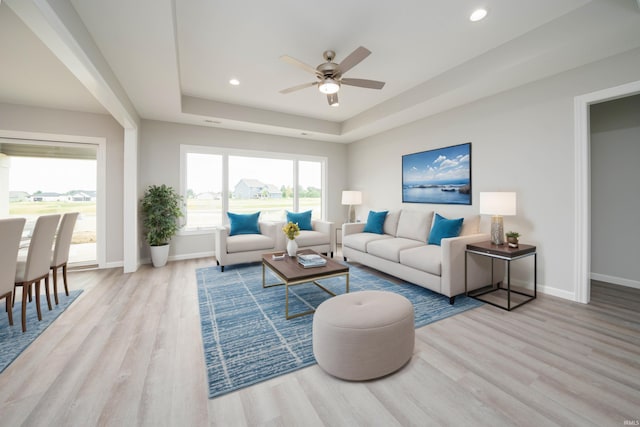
x=402 y=251
x=243 y=248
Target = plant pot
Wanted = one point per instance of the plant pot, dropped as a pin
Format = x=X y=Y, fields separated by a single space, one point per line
x=512 y=241
x=159 y=255
x=292 y=247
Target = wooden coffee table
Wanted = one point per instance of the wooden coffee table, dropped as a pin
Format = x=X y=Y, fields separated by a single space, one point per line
x=291 y=273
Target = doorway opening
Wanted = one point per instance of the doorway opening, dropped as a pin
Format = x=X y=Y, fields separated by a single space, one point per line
x=582 y=231
x=43 y=177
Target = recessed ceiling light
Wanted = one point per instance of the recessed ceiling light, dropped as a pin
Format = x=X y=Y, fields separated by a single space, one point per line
x=478 y=15
x=234 y=82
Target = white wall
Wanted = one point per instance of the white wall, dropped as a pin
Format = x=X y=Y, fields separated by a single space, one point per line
x=522 y=140
x=59 y=122
x=159 y=156
x=615 y=191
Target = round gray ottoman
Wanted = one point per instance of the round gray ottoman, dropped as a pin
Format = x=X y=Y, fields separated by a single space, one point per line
x=363 y=335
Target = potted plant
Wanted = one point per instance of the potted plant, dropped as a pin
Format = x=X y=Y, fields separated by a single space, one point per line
x=512 y=239
x=160 y=210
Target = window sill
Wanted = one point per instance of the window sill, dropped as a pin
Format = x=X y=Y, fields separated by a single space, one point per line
x=196 y=231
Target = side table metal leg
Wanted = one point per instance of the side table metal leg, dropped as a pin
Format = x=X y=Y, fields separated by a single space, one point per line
x=535 y=275
x=492 y=278
x=509 y=285
x=466 y=292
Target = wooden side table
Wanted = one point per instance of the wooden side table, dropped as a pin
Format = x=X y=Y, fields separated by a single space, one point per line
x=507 y=254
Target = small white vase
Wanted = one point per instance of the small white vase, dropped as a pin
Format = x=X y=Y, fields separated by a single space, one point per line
x=292 y=247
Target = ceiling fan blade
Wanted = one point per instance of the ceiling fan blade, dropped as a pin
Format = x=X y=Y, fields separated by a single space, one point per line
x=298 y=87
x=369 y=84
x=353 y=59
x=299 y=64
x=332 y=99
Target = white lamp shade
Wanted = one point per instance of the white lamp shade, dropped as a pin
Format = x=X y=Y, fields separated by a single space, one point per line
x=498 y=203
x=351 y=197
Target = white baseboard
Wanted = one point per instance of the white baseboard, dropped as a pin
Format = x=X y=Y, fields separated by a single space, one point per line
x=183 y=257
x=191 y=256
x=616 y=280
x=547 y=290
x=114 y=264
x=555 y=292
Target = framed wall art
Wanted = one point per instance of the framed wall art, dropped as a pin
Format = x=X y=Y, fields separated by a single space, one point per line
x=440 y=176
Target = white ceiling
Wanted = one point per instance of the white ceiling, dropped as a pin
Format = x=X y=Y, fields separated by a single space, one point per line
x=174 y=58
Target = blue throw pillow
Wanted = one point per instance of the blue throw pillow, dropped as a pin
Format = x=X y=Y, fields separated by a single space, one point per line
x=303 y=219
x=443 y=228
x=375 y=222
x=244 y=223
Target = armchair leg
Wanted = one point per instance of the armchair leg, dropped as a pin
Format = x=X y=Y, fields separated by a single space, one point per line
x=217 y=262
x=222 y=269
x=345 y=258
x=451 y=300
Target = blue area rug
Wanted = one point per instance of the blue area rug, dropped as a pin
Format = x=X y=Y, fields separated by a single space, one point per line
x=12 y=340
x=247 y=338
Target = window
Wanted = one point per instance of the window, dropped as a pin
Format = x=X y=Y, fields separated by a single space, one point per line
x=217 y=180
x=261 y=184
x=203 y=195
x=310 y=187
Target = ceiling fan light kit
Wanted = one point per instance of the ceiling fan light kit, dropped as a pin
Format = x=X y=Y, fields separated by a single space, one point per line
x=329 y=74
x=329 y=86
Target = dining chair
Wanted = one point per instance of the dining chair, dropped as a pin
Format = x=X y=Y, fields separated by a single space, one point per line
x=36 y=267
x=61 y=251
x=10 y=235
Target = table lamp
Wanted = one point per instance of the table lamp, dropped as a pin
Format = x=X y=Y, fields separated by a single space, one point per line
x=497 y=204
x=351 y=198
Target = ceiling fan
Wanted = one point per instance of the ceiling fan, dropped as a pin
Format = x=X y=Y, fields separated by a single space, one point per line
x=329 y=74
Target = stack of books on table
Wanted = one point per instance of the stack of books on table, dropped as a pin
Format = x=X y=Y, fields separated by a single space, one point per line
x=311 y=260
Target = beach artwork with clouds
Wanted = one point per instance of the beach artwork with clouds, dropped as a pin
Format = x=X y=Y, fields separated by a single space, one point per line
x=439 y=176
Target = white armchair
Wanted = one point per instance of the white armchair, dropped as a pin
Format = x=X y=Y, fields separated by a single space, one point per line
x=243 y=248
x=321 y=239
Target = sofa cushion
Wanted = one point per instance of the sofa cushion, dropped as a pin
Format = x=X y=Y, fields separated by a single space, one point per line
x=390 y=248
x=359 y=241
x=243 y=223
x=444 y=228
x=375 y=222
x=249 y=243
x=426 y=258
x=391 y=223
x=414 y=225
x=303 y=219
x=312 y=238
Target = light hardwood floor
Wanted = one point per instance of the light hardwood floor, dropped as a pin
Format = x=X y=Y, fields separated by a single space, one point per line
x=128 y=352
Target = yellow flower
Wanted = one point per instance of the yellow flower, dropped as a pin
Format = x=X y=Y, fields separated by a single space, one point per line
x=291 y=230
